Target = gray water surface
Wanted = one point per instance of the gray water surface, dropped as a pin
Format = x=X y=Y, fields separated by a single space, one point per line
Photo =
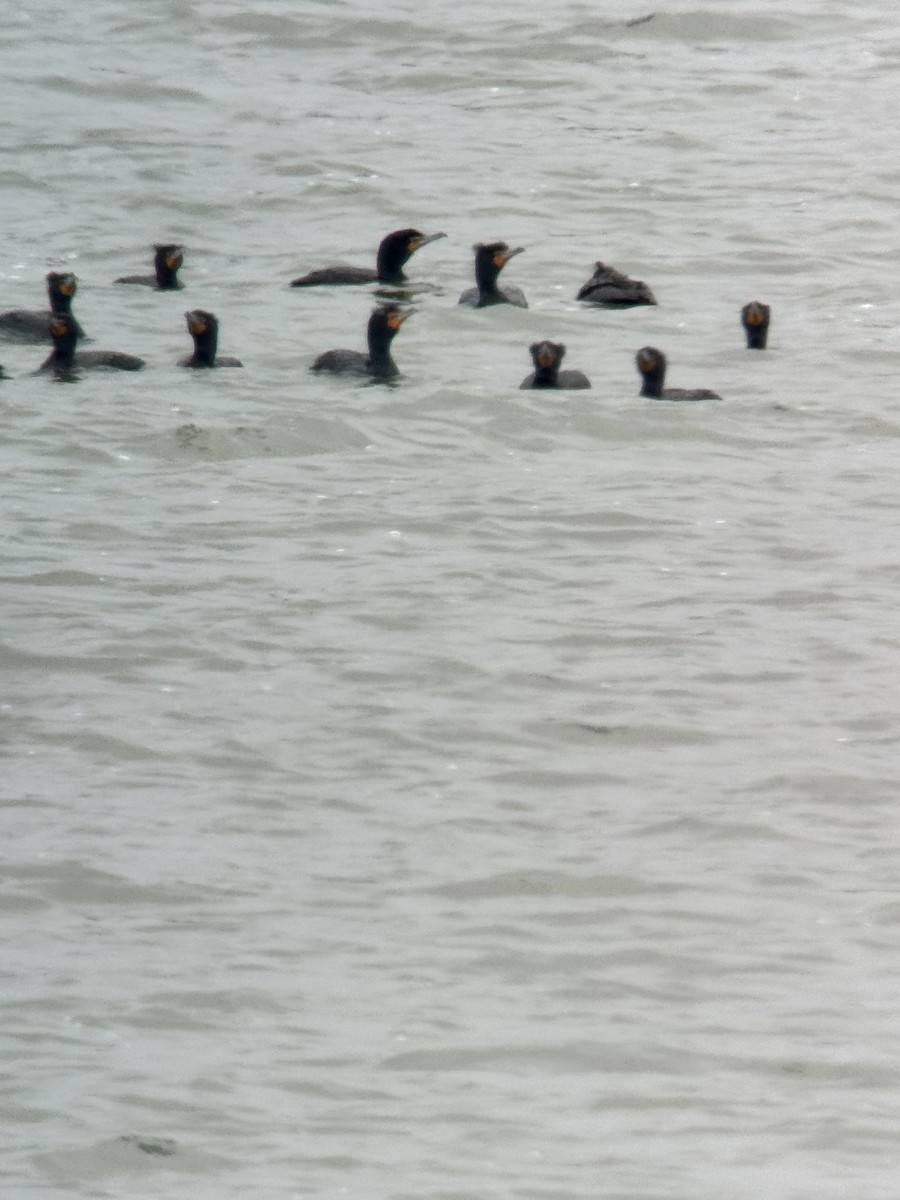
x=444 y=790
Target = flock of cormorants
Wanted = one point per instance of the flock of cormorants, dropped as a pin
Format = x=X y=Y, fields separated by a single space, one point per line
x=607 y=288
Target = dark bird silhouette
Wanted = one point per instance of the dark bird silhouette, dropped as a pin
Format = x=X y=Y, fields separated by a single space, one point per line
x=167 y=259
x=382 y=328
x=652 y=365
x=490 y=259
x=546 y=374
x=27 y=325
x=204 y=329
x=611 y=289
x=755 y=320
x=63 y=359
x=394 y=253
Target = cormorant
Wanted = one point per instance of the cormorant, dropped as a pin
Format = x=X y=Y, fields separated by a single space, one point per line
x=652 y=365
x=204 y=329
x=28 y=325
x=546 y=374
x=611 y=289
x=64 y=360
x=490 y=259
x=755 y=320
x=167 y=259
x=383 y=325
x=394 y=253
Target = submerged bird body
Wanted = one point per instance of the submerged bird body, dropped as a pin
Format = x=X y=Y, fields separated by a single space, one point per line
x=490 y=259
x=26 y=325
x=652 y=365
x=204 y=329
x=611 y=289
x=167 y=258
x=378 y=363
x=755 y=320
x=64 y=360
x=547 y=357
x=394 y=253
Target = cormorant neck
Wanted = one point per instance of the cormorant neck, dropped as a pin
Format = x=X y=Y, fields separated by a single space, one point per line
x=486 y=278
x=652 y=386
x=166 y=275
x=380 y=362
x=63 y=355
x=205 y=345
x=60 y=302
x=546 y=376
x=166 y=278
x=390 y=263
x=384 y=367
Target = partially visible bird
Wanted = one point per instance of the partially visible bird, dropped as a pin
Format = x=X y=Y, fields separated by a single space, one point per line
x=611 y=289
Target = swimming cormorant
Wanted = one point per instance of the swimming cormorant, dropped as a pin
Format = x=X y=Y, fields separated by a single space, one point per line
x=394 y=253
x=383 y=325
x=27 y=325
x=64 y=360
x=490 y=259
x=652 y=365
x=755 y=319
x=611 y=289
x=204 y=329
x=546 y=374
x=167 y=259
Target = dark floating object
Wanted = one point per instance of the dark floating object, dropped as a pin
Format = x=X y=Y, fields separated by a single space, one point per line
x=394 y=253
x=755 y=320
x=26 y=325
x=167 y=259
x=546 y=374
x=611 y=289
x=378 y=364
x=204 y=329
x=490 y=259
x=652 y=365
x=63 y=359
x=163 y=1147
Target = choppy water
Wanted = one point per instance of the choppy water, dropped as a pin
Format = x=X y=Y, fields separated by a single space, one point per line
x=444 y=790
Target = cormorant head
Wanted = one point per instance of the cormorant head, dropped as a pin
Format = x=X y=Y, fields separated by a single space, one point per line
x=547 y=355
x=62 y=283
x=755 y=319
x=167 y=258
x=652 y=365
x=490 y=259
x=397 y=249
